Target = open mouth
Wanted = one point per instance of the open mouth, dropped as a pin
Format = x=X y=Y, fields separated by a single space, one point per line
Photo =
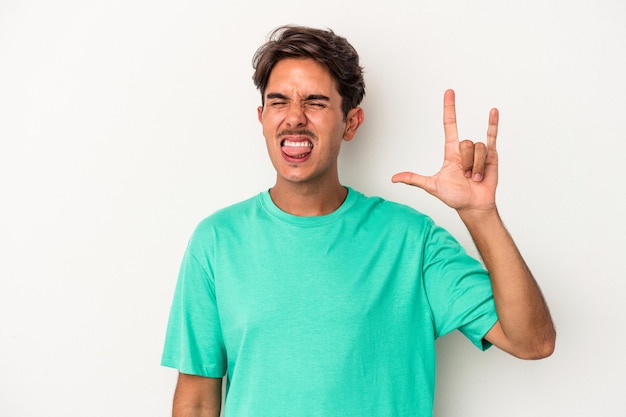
x=296 y=149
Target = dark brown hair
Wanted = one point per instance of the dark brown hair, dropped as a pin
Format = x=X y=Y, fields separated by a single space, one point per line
x=323 y=46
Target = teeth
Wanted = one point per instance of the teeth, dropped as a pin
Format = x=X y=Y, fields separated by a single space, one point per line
x=304 y=144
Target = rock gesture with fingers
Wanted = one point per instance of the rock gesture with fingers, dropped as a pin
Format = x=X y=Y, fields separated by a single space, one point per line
x=469 y=175
x=467 y=182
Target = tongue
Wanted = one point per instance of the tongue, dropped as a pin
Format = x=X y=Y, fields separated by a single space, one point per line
x=294 y=151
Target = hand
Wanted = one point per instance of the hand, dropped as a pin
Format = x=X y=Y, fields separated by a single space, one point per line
x=469 y=175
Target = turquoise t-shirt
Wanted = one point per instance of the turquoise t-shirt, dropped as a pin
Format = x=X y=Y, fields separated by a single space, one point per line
x=335 y=315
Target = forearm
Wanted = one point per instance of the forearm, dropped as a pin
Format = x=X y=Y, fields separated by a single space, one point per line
x=524 y=318
x=197 y=396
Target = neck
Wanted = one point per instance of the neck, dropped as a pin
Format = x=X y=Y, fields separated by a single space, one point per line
x=305 y=200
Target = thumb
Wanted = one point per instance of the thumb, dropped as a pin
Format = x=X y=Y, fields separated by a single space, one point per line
x=411 y=178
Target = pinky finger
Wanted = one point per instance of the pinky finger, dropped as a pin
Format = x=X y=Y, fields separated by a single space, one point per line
x=492 y=129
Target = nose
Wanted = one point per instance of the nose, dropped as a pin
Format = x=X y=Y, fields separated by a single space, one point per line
x=295 y=116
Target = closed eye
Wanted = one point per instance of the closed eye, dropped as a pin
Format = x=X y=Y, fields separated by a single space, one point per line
x=276 y=99
x=317 y=101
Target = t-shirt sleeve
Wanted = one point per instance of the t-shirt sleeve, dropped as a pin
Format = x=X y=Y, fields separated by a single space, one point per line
x=193 y=342
x=458 y=289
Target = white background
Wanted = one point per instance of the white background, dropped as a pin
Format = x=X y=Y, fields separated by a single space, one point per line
x=125 y=122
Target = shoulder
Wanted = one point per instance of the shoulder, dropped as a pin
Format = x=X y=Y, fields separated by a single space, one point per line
x=381 y=208
x=232 y=211
x=226 y=218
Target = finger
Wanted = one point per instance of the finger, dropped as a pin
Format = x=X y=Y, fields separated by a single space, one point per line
x=411 y=178
x=449 y=117
x=492 y=129
x=480 y=156
x=466 y=149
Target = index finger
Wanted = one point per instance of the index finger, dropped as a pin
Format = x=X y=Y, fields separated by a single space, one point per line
x=449 y=117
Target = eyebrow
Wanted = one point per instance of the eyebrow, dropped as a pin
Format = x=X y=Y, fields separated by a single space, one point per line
x=275 y=95
x=317 y=97
x=310 y=97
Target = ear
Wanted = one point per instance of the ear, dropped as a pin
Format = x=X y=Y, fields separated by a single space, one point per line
x=259 y=114
x=354 y=119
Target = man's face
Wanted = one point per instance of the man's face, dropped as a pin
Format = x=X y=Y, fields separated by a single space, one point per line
x=303 y=122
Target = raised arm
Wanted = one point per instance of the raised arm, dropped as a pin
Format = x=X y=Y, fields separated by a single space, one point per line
x=467 y=182
x=197 y=396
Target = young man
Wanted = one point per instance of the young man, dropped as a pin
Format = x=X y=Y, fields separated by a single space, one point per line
x=318 y=301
